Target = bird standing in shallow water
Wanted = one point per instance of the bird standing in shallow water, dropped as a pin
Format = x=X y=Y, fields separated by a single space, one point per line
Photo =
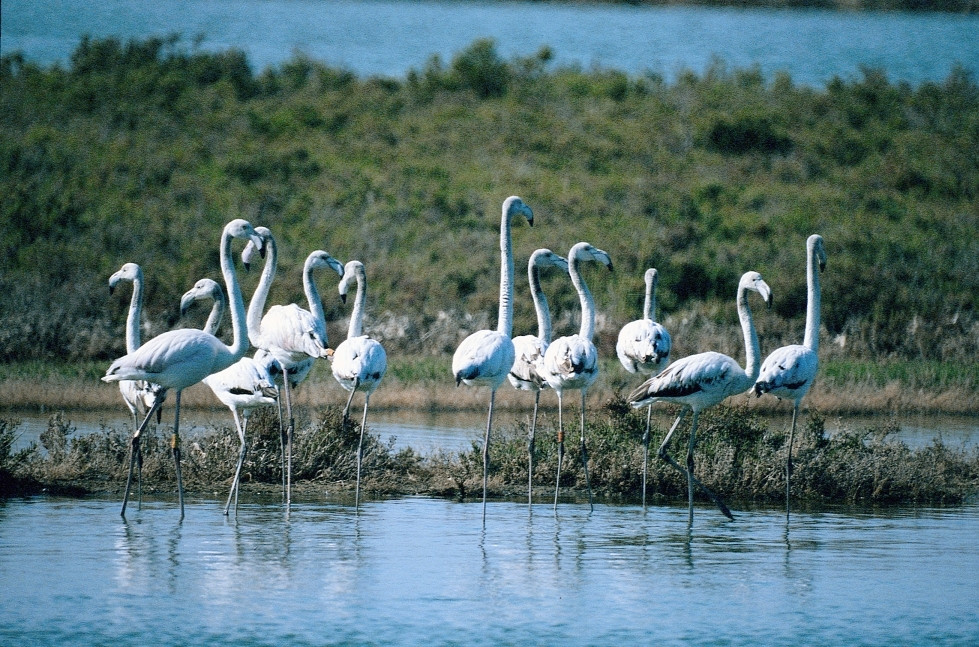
x=643 y=347
x=242 y=387
x=485 y=357
x=703 y=380
x=572 y=362
x=529 y=349
x=359 y=362
x=789 y=371
x=180 y=358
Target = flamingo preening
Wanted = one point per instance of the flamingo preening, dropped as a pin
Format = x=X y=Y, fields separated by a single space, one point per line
x=703 y=380
x=359 y=362
x=643 y=347
x=529 y=349
x=292 y=335
x=572 y=362
x=485 y=357
x=139 y=395
x=789 y=371
x=180 y=358
x=242 y=387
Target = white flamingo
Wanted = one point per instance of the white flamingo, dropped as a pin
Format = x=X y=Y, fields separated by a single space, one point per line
x=359 y=362
x=572 y=362
x=242 y=387
x=139 y=395
x=292 y=335
x=705 y=379
x=529 y=349
x=485 y=357
x=789 y=371
x=643 y=347
x=180 y=358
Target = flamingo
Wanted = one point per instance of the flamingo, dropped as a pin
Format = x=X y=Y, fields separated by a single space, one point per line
x=529 y=349
x=138 y=395
x=705 y=379
x=789 y=371
x=571 y=362
x=242 y=387
x=180 y=358
x=359 y=362
x=643 y=347
x=485 y=357
x=292 y=335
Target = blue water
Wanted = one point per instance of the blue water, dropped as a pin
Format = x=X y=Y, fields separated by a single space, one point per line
x=388 y=38
x=424 y=572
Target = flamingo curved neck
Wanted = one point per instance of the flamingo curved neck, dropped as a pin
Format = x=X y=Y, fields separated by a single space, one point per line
x=134 y=318
x=811 y=339
x=540 y=305
x=751 y=347
x=649 y=306
x=239 y=344
x=313 y=298
x=584 y=295
x=357 y=316
x=505 y=319
x=216 y=314
x=256 y=306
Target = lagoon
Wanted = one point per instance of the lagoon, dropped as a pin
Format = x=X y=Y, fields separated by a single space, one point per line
x=419 y=571
x=391 y=37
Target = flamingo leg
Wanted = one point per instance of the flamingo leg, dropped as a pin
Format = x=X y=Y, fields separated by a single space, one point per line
x=350 y=398
x=645 y=453
x=360 y=449
x=690 y=477
x=788 y=459
x=560 y=446
x=175 y=449
x=134 y=453
x=584 y=453
x=288 y=440
x=530 y=451
x=282 y=447
x=489 y=424
x=241 y=460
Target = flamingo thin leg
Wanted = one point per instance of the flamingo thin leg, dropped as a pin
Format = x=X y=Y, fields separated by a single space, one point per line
x=584 y=452
x=134 y=452
x=530 y=451
x=560 y=447
x=175 y=448
x=489 y=424
x=360 y=449
x=241 y=459
x=669 y=459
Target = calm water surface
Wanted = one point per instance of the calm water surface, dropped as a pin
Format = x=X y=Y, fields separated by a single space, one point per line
x=390 y=37
x=424 y=572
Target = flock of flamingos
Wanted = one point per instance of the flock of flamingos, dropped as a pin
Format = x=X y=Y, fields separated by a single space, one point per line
x=289 y=339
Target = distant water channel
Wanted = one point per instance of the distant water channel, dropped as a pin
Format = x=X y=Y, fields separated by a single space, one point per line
x=425 y=572
x=390 y=37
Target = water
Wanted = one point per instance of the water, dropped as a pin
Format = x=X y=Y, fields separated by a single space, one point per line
x=388 y=37
x=424 y=572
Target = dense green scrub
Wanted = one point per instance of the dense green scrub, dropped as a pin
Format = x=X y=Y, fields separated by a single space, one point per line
x=141 y=151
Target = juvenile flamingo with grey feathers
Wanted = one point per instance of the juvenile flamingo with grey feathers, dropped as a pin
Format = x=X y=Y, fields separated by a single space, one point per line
x=703 y=380
x=529 y=349
x=485 y=357
x=292 y=335
x=242 y=387
x=789 y=371
x=139 y=395
x=180 y=358
x=359 y=362
x=572 y=362
x=644 y=347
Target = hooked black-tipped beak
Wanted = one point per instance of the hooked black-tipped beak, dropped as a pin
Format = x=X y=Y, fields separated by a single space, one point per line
x=343 y=298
